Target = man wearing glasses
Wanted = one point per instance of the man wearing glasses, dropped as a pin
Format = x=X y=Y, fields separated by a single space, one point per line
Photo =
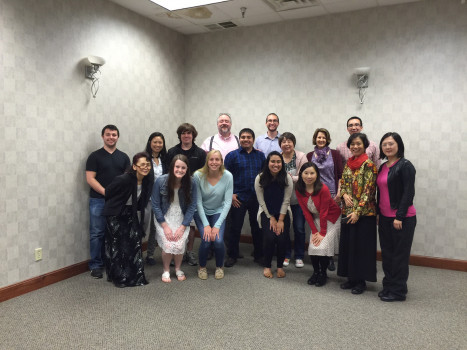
x=224 y=141
x=355 y=125
x=102 y=167
x=269 y=141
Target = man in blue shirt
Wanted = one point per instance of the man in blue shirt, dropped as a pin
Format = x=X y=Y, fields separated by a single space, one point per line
x=269 y=141
x=245 y=164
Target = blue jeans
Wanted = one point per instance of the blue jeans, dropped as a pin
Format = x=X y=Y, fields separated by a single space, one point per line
x=299 y=234
x=97 y=225
x=205 y=245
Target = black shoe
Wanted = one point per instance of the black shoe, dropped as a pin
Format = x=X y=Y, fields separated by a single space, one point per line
x=322 y=277
x=150 y=260
x=313 y=279
x=389 y=297
x=347 y=285
x=358 y=289
x=331 y=266
x=97 y=273
x=382 y=293
x=230 y=262
x=120 y=285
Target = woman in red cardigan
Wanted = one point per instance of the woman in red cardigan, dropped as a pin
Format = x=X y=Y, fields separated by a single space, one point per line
x=323 y=215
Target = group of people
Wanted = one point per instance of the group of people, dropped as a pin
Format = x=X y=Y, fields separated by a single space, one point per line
x=341 y=194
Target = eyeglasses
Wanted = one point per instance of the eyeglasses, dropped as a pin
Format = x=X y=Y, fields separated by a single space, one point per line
x=352 y=125
x=144 y=166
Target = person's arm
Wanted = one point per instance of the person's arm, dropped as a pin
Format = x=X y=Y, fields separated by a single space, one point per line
x=191 y=208
x=205 y=145
x=407 y=173
x=156 y=200
x=325 y=203
x=260 y=196
x=287 y=194
x=199 y=200
x=95 y=185
x=302 y=201
x=227 y=200
x=369 y=187
x=301 y=159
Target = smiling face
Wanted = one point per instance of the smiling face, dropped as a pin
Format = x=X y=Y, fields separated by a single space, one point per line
x=354 y=126
x=321 y=140
x=110 y=138
x=246 y=141
x=287 y=146
x=157 y=144
x=186 y=137
x=214 y=161
x=357 y=147
x=275 y=165
x=390 y=147
x=180 y=169
x=272 y=122
x=309 y=176
x=142 y=167
x=224 y=125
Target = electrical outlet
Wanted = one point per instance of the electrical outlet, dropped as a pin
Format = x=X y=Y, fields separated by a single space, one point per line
x=38 y=254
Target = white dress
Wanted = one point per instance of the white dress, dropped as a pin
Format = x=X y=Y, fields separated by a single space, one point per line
x=174 y=218
x=330 y=243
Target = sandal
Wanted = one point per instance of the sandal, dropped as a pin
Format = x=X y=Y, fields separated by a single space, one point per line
x=166 y=277
x=180 y=275
x=280 y=273
x=267 y=273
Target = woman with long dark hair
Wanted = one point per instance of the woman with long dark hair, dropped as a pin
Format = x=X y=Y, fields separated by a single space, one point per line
x=156 y=148
x=323 y=215
x=273 y=188
x=397 y=216
x=174 y=203
x=127 y=195
x=215 y=189
x=357 y=249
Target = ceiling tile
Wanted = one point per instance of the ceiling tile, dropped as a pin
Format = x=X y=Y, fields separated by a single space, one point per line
x=259 y=19
x=303 y=12
x=253 y=8
x=192 y=29
x=348 y=5
x=394 y=2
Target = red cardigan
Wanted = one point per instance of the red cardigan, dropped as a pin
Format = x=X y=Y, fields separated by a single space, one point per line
x=327 y=208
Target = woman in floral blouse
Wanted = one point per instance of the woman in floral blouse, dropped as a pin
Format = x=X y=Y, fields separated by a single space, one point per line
x=357 y=249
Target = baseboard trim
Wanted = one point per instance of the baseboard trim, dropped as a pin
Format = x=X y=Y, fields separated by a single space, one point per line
x=38 y=282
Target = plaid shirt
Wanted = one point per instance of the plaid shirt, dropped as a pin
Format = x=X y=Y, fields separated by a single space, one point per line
x=244 y=167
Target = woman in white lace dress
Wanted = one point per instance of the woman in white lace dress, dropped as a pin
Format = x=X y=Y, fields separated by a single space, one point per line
x=174 y=203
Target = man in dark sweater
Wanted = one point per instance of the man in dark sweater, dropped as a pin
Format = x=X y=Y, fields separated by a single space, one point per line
x=196 y=159
x=102 y=167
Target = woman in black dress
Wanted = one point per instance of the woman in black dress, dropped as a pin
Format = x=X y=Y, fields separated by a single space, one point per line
x=125 y=200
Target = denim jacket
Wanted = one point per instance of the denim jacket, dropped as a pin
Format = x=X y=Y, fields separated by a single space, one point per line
x=160 y=200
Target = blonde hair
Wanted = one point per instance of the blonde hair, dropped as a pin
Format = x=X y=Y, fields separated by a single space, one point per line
x=205 y=169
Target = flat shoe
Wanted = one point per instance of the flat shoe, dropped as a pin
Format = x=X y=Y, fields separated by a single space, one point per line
x=313 y=279
x=166 y=277
x=382 y=293
x=392 y=297
x=180 y=275
x=267 y=273
x=280 y=273
x=347 y=285
x=358 y=289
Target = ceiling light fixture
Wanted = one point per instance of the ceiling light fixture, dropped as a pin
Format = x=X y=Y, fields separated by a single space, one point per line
x=173 y=5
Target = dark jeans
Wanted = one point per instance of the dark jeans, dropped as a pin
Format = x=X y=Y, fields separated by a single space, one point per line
x=274 y=243
x=298 y=224
x=237 y=216
x=205 y=245
x=395 y=253
x=97 y=227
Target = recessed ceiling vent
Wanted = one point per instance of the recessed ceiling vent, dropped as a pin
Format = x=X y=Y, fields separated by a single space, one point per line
x=221 y=25
x=285 y=5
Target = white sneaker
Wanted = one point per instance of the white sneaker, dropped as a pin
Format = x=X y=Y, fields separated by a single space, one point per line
x=299 y=263
x=286 y=262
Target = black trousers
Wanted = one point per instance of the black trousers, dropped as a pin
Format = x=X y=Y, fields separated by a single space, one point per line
x=237 y=216
x=274 y=243
x=395 y=252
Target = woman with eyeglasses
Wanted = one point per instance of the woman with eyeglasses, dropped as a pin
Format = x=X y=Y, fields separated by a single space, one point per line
x=125 y=201
x=156 y=148
x=397 y=216
x=174 y=203
x=273 y=188
x=357 y=248
x=329 y=163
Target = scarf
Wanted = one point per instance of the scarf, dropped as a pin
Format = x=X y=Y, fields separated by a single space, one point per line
x=321 y=154
x=356 y=162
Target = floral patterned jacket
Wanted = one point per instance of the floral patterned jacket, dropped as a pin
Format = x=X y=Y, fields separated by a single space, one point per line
x=361 y=186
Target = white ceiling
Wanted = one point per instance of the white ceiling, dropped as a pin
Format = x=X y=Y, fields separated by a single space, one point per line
x=257 y=12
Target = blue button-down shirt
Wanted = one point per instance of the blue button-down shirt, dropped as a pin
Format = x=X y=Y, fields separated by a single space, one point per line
x=266 y=145
x=244 y=167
